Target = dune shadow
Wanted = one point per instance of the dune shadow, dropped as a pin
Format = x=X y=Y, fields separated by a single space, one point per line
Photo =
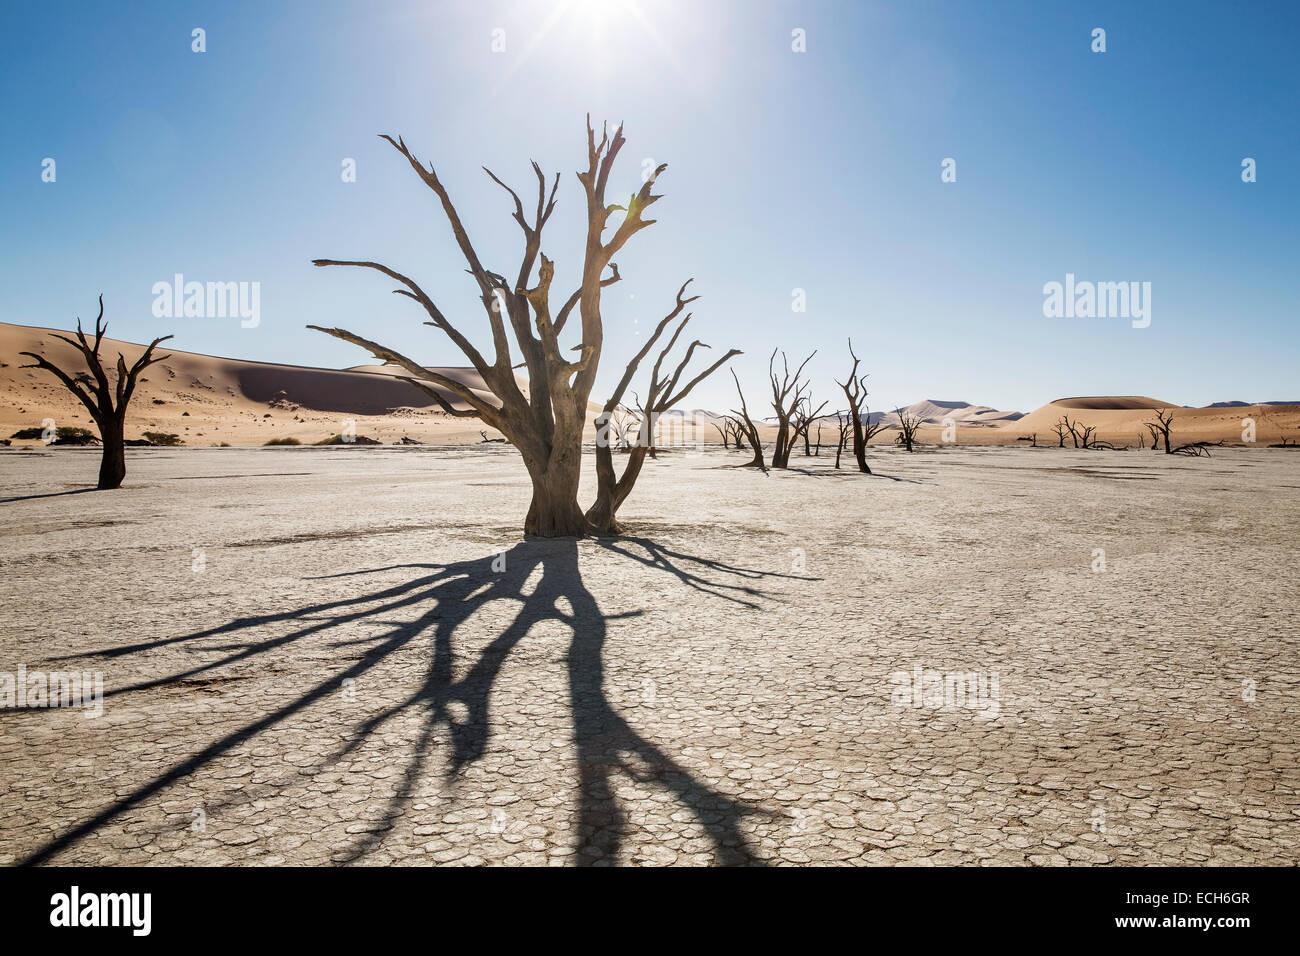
x=452 y=701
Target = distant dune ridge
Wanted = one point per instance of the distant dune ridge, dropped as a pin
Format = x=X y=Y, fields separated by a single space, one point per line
x=208 y=400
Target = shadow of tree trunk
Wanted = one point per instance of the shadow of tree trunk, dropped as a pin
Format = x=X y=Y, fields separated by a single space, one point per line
x=607 y=746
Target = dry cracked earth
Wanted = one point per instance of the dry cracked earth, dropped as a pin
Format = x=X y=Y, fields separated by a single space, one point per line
x=352 y=656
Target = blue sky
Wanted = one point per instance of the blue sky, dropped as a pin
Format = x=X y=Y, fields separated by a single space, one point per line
x=817 y=170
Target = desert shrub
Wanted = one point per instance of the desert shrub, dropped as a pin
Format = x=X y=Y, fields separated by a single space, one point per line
x=72 y=435
x=355 y=440
x=163 y=438
x=64 y=435
x=284 y=441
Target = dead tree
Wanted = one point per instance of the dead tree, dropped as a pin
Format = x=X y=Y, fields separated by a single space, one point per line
x=545 y=425
x=737 y=432
x=611 y=489
x=1089 y=439
x=623 y=421
x=734 y=428
x=1160 y=428
x=748 y=428
x=869 y=428
x=731 y=431
x=855 y=390
x=106 y=404
x=787 y=393
x=908 y=424
x=1061 y=430
x=804 y=416
x=843 y=425
x=1073 y=428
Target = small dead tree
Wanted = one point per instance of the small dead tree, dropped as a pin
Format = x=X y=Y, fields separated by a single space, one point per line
x=1073 y=428
x=623 y=422
x=843 y=425
x=855 y=390
x=869 y=428
x=1197 y=449
x=724 y=432
x=1160 y=428
x=804 y=416
x=787 y=393
x=546 y=425
x=1061 y=430
x=738 y=433
x=736 y=430
x=665 y=392
x=908 y=424
x=748 y=428
x=106 y=404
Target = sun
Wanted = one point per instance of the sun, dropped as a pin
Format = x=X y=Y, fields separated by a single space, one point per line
x=599 y=20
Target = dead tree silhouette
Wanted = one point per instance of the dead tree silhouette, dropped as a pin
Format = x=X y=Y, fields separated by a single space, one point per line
x=787 y=393
x=454 y=697
x=107 y=405
x=546 y=425
x=855 y=390
x=748 y=428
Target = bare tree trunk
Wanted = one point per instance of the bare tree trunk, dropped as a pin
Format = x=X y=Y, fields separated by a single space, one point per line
x=612 y=490
x=781 y=449
x=112 y=467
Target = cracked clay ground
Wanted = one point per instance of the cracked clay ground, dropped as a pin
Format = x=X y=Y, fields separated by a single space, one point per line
x=343 y=675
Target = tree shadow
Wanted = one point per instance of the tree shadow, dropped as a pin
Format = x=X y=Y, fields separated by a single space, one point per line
x=456 y=701
x=47 y=494
x=851 y=475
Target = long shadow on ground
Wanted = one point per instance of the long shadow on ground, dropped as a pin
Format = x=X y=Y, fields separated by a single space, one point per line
x=607 y=746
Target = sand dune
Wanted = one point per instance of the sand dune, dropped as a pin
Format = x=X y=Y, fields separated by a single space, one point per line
x=1119 y=419
x=935 y=412
x=1112 y=403
x=208 y=400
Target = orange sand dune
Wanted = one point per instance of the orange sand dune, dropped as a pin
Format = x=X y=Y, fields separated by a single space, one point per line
x=1111 y=402
x=209 y=400
x=1119 y=420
